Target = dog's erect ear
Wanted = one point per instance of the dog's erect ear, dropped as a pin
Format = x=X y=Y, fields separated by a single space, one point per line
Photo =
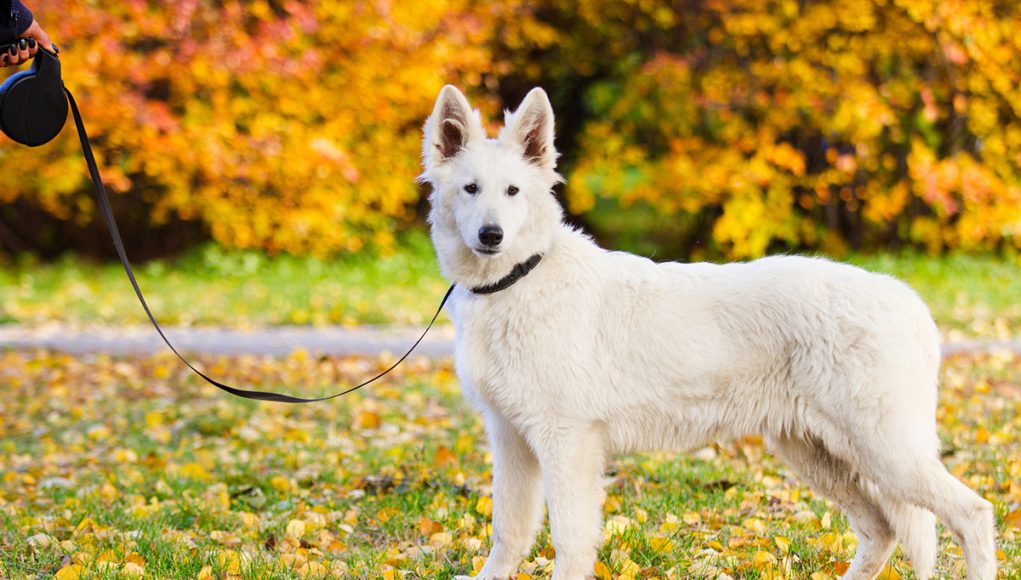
x=531 y=126
x=450 y=128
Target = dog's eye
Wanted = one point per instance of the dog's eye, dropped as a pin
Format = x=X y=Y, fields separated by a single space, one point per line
x=512 y=190
x=471 y=188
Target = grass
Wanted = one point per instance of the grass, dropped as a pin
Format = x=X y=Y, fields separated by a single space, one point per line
x=213 y=286
x=113 y=467
x=970 y=295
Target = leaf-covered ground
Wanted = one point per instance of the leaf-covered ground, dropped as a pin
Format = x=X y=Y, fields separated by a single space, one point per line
x=130 y=467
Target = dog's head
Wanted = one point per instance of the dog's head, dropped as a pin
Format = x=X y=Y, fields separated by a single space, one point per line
x=491 y=205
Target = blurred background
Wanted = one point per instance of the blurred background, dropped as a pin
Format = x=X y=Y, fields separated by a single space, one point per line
x=262 y=156
x=232 y=133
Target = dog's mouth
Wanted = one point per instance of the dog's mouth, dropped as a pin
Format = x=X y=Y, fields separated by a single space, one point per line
x=486 y=251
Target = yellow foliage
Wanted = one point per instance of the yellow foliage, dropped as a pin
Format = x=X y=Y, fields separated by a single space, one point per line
x=751 y=125
x=741 y=125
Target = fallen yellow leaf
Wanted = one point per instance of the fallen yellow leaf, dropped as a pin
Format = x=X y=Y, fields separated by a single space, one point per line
x=229 y=561
x=762 y=559
x=755 y=525
x=367 y=420
x=477 y=563
x=132 y=570
x=484 y=506
x=661 y=545
x=249 y=520
x=296 y=528
x=314 y=569
x=280 y=483
x=293 y=561
x=135 y=558
x=441 y=539
x=888 y=573
x=72 y=572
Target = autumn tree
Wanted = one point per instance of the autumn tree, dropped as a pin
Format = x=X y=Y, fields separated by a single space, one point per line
x=738 y=126
x=717 y=127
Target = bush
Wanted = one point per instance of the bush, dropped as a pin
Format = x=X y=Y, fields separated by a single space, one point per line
x=728 y=127
x=289 y=126
x=753 y=126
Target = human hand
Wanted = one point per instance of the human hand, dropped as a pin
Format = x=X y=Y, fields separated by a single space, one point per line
x=25 y=48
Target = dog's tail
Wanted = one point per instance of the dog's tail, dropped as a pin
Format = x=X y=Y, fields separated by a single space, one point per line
x=915 y=529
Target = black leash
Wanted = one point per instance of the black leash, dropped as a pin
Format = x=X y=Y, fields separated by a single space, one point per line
x=111 y=224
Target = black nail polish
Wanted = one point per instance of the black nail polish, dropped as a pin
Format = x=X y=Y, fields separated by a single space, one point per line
x=13 y=50
x=31 y=43
x=23 y=44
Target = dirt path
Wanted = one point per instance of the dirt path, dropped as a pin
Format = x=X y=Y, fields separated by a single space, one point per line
x=277 y=340
x=282 y=340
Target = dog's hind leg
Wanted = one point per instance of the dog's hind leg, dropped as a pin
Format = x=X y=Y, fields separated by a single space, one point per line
x=916 y=531
x=833 y=478
x=909 y=470
x=517 y=499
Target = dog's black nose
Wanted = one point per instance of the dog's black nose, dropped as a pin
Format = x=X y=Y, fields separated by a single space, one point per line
x=491 y=235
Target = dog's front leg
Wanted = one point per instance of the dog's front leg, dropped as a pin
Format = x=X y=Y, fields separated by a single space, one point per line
x=517 y=499
x=572 y=464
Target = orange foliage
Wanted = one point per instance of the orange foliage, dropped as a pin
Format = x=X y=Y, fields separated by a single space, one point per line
x=291 y=126
x=744 y=125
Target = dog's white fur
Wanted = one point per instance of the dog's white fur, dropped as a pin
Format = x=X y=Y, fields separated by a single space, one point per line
x=597 y=352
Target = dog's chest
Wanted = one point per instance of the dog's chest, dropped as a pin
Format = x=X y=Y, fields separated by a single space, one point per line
x=501 y=354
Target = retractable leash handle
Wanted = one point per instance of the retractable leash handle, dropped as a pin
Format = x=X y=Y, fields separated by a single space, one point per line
x=34 y=112
x=33 y=109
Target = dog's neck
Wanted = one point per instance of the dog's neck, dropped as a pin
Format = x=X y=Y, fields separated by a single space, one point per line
x=519 y=271
x=461 y=266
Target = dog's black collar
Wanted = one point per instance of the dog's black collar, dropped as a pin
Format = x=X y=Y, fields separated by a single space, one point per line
x=518 y=272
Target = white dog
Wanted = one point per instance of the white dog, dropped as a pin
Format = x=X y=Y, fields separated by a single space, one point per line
x=572 y=353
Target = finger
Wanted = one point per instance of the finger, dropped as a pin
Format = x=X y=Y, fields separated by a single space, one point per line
x=44 y=40
x=12 y=55
x=23 y=54
x=35 y=31
x=3 y=60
